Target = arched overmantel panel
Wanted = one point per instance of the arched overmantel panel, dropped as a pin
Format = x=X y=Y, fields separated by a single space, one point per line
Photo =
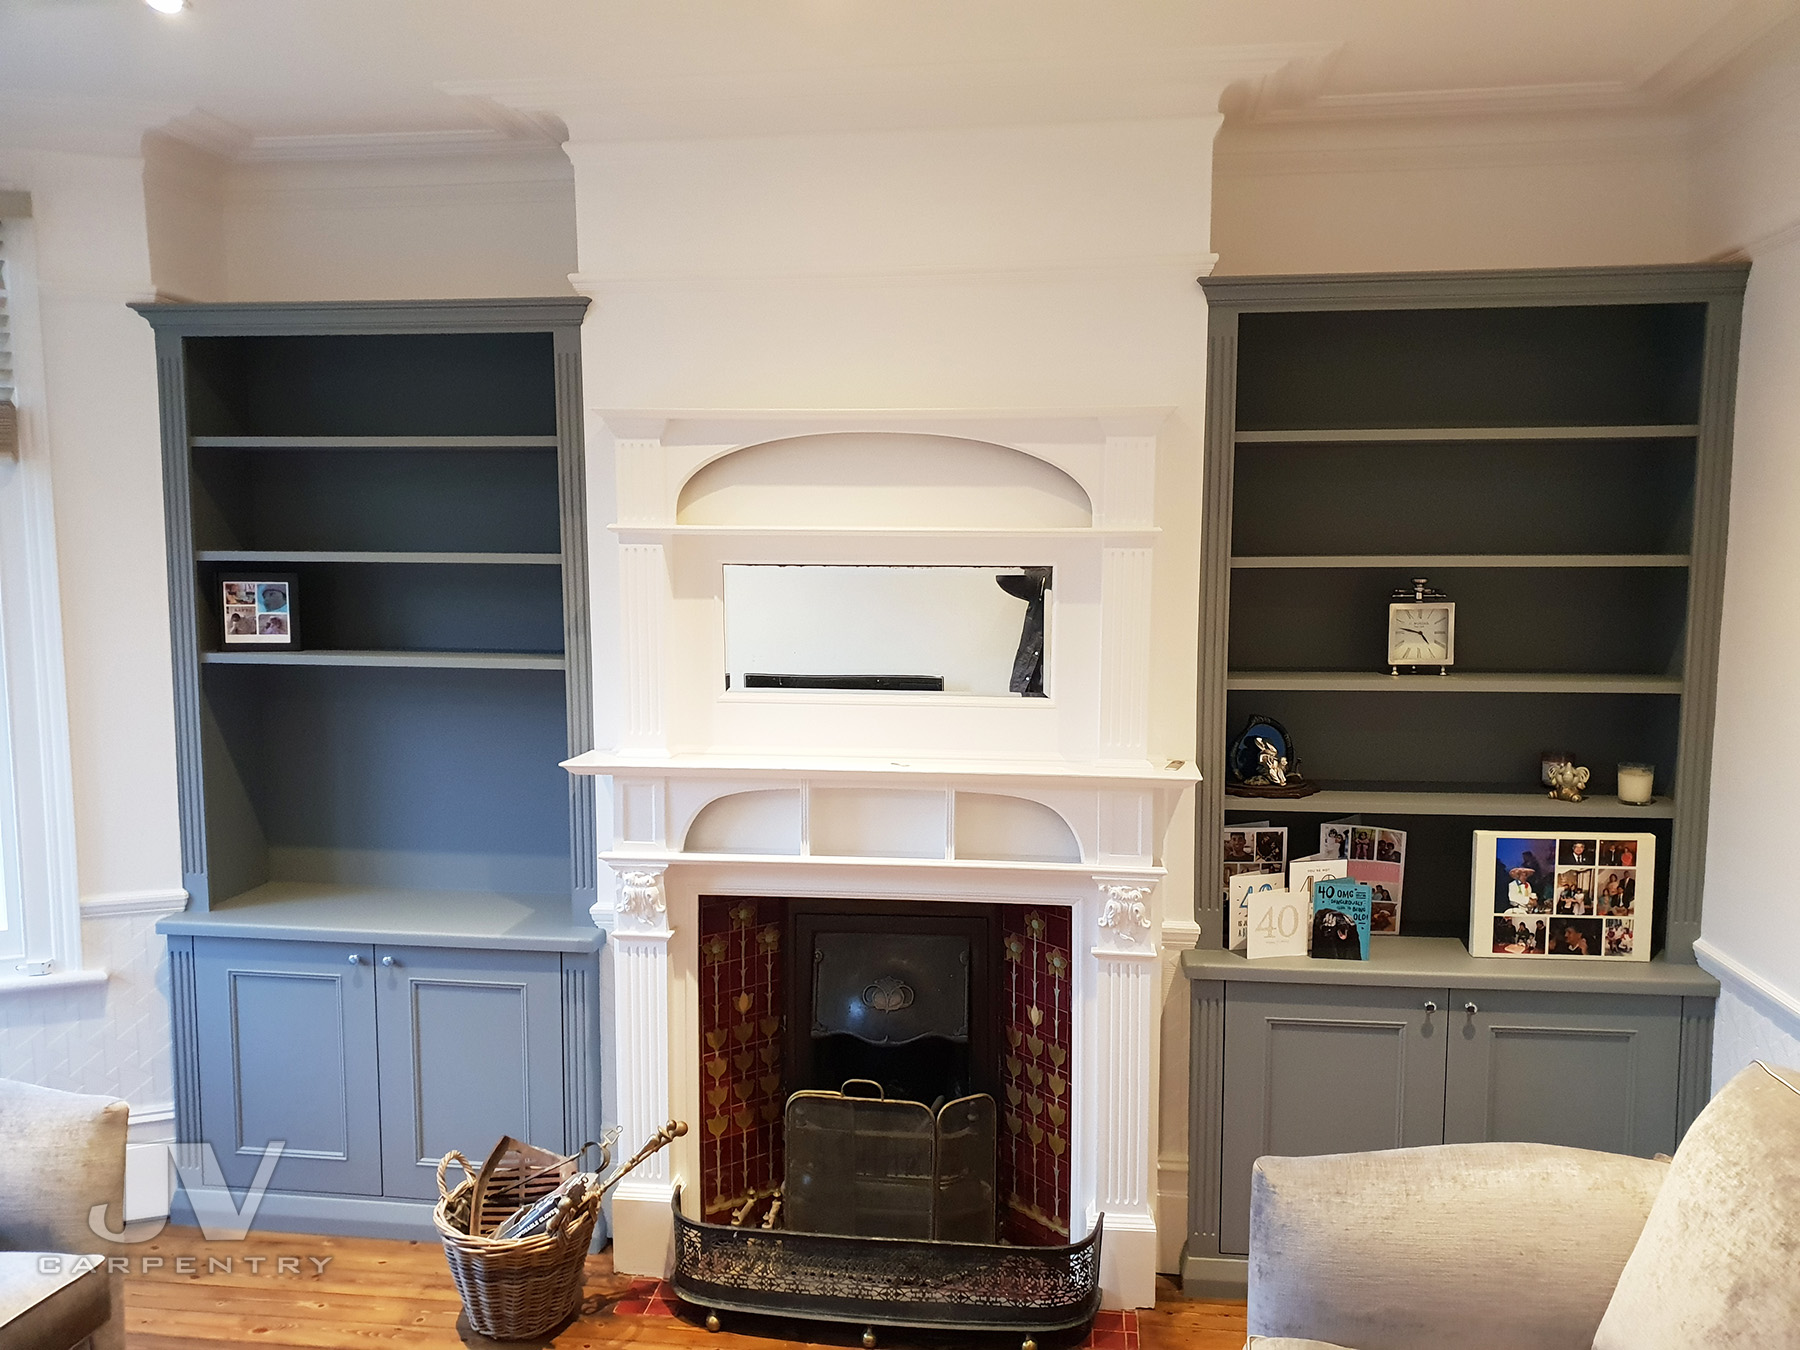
x=884 y=478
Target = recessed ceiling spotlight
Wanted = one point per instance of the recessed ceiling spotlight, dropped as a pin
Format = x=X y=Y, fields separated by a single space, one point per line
x=167 y=6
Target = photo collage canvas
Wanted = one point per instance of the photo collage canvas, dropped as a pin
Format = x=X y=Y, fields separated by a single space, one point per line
x=1567 y=895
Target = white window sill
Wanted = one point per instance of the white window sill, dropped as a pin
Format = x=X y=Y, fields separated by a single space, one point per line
x=11 y=983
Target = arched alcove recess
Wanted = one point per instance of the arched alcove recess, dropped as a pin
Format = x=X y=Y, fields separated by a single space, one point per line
x=894 y=479
x=993 y=827
x=766 y=821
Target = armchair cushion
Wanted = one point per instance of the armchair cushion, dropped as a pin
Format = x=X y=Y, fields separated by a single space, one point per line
x=60 y=1155
x=1481 y=1246
x=1718 y=1264
x=49 y=1302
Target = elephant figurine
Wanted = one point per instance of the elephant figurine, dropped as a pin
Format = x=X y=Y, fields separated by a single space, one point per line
x=1567 y=781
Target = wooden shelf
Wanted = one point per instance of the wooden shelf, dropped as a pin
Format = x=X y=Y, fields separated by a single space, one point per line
x=1439 y=562
x=1451 y=799
x=420 y=660
x=272 y=556
x=1436 y=963
x=1374 y=682
x=1365 y=435
x=373 y=442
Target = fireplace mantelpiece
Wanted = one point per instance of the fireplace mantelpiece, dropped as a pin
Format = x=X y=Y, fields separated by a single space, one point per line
x=1047 y=802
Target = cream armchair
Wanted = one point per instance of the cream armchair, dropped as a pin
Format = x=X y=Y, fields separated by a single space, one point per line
x=60 y=1155
x=1530 y=1247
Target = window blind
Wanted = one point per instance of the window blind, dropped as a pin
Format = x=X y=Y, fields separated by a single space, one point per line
x=9 y=397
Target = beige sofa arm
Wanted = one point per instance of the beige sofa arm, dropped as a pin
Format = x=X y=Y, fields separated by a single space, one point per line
x=61 y=1154
x=1477 y=1246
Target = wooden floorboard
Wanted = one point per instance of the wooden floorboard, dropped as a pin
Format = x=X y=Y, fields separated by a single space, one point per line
x=297 y=1292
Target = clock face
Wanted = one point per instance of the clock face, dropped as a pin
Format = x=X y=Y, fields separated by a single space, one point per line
x=1421 y=634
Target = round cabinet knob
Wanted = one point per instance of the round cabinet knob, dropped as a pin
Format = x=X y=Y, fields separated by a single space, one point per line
x=389 y=961
x=1471 y=1009
x=355 y=959
x=1430 y=1006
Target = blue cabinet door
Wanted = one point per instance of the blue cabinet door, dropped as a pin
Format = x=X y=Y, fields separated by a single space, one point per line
x=471 y=1049
x=1313 y=1069
x=286 y=1039
x=1582 y=1070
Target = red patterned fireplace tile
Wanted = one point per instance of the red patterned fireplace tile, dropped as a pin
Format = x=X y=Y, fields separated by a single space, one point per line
x=740 y=1052
x=1035 y=1073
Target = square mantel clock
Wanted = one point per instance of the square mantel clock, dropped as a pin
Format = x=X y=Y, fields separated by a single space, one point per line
x=257 y=610
x=1421 y=628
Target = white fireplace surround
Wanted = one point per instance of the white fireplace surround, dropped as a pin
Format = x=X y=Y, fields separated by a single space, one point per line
x=857 y=797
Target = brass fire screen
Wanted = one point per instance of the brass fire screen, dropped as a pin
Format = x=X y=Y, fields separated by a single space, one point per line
x=860 y=1165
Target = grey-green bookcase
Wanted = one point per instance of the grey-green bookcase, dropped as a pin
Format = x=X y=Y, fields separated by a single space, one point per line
x=1553 y=449
x=381 y=848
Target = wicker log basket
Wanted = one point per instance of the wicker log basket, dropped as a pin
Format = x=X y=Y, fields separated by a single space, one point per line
x=513 y=1288
x=518 y=1288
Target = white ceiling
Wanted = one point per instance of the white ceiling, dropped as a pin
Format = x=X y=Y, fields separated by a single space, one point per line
x=268 y=78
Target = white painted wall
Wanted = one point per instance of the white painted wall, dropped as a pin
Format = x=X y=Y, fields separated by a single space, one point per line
x=400 y=229
x=1414 y=196
x=1000 y=267
x=184 y=210
x=101 y=420
x=1748 y=170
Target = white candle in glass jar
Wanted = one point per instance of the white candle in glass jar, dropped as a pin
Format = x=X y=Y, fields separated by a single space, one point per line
x=1635 y=782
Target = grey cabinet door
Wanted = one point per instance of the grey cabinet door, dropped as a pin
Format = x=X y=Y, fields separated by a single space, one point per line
x=1585 y=1070
x=286 y=1035
x=471 y=1049
x=1315 y=1069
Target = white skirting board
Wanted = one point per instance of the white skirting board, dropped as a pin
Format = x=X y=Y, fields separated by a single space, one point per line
x=147 y=1169
x=1755 y=1019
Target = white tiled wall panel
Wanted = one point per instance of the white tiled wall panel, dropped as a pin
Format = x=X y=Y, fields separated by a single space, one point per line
x=111 y=1038
x=1746 y=1027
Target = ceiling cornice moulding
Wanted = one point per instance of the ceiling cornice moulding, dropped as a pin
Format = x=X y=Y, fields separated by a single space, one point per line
x=1468 y=142
x=1182 y=82
x=1661 y=86
x=1185 y=266
x=507 y=132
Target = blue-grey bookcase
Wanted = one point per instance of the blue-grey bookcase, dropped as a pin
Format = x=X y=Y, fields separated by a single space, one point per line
x=375 y=828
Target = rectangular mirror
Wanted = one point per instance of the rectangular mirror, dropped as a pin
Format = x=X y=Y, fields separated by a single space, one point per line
x=950 y=630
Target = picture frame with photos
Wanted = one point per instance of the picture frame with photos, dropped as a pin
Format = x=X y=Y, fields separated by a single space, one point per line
x=257 y=609
x=1562 y=895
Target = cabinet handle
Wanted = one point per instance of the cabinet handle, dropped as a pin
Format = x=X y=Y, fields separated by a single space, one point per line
x=1470 y=1009
x=389 y=961
x=355 y=959
x=1430 y=1005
